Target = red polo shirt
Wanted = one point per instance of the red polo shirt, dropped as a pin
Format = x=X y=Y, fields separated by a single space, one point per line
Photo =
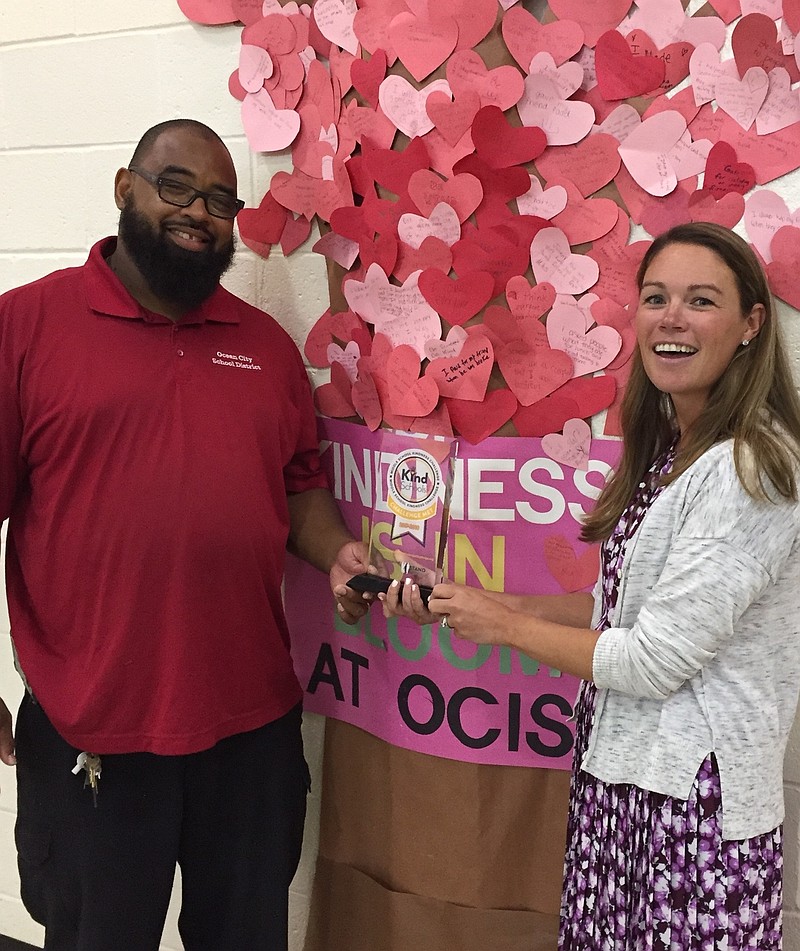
x=144 y=467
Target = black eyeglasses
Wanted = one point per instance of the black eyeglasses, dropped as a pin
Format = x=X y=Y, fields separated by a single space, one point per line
x=177 y=193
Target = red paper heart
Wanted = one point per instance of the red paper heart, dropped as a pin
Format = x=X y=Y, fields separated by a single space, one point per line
x=620 y=74
x=724 y=174
x=584 y=219
x=533 y=372
x=526 y=302
x=589 y=164
x=366 y=401
x=726 y=211
x=498 y=184
x=525 y=36
x=367 y=75
x=436 y=423
x=502 y=87
x=382 y=251
x=545 y=416
x=309 y=196
x=475 y=18
x=593 y=18
x=209 y=12
x=459 y=300
x=333 y=399
x=394 y=169
x=674 y=56
x=591 y=394
x=342 y=326
x=791 y=15
x=755 y=43
x=260 y=228
x=294 y=234
x=462 y=192
x=782 y=271
x=501 y=145
x=490 y=250
x=423 y=43
x=661 y=214
x=349 y=222
x=432 y=253
x=573 y=572
x=464 y=376
x=453 y=117
x=409 y=394
x=476 y=421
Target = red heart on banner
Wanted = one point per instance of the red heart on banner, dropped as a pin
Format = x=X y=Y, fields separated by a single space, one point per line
x=501 y=145
x=545 y=416
x=533 y=371
x=573 y=572
x=456 y=301
x=476 y=421
x=333 y=399
x=620 y=74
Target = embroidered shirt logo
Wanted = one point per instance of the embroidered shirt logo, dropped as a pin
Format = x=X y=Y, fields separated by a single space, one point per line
x=235 y=360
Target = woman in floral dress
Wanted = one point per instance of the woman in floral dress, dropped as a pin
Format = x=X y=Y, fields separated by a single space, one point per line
x=689 y=648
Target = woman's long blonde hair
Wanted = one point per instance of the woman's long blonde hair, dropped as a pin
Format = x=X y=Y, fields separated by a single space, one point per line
x=754 y=402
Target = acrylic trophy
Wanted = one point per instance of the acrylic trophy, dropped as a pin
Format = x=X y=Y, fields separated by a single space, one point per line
x=408 y=530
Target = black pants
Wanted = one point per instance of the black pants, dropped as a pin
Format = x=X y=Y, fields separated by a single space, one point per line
x=100 y=879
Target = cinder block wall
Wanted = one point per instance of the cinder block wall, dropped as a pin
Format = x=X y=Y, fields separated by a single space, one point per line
x=80 y=80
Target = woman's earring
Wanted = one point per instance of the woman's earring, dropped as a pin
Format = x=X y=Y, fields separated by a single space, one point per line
x=745 y=343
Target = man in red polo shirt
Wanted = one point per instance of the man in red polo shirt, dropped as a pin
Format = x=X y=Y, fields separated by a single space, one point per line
x=158 y=456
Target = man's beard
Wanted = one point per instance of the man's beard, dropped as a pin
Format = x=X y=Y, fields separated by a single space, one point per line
x=174 y=274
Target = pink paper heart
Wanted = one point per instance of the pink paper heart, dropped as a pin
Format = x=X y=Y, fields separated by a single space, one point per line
x=765 y=213
x=553 y=262
x=466 y=375
x=453 y=118
x=573 y=572
x=442 y=223
x=705 y=70
x=619 y=122
x=405 y=105
x=564 y=121
x=665 y=21
x=255 y=65
x=338 y=248
x=422 y=43
x=645 y=152
x=742 y=99
x=533 y=372
x=567 y=78
x=593 y=18
x=447 y=348
x=347 y=357
x=210 y=12
x=781 y=107
x=584 y=220
x=782 y=271
x=334 y=18
x=544 y=203
x=268 y=129
x=573 y=448
x=590 y=351
x=589 y=165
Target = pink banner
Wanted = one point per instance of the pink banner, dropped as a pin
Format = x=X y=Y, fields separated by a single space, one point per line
x=514 y=527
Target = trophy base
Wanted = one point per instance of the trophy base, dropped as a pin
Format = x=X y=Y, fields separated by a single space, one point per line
x=374 y=584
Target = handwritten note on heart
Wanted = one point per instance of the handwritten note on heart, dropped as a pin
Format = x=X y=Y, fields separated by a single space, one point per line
x=573 y=448
x=553 y=262
x=589 y=351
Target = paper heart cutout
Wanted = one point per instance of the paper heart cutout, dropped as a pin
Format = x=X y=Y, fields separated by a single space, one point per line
x=726 y=211
x=525 y=36
x=447 y=348
x=781 y=107
x=782 y=271
x=367 y=76
x=501 y=145
x=620 y=74
x=456 y=301
x=564 y=121
x=476 y=421
x=209 y=12
x=366 y=401
x=491 y=250
x=371 y=26
x=771 y=156
x=409 y=393
x=308 y=196
x=589 y=164
x=260 y=228
x=585 y=220
x=334 y=19
x=338 y=248
x=706 y=69
x=567 y=78
x=333 y=399
x=268 y=129
x=545 y=203
x=666 y=22
x=295 y=234
x=545 y=416
x=553 y=261
x=675 y=56
x=442 y=223
x=422 y=43
x=593 y=18
x=791 y=15
x=501 y=87
x=573 y=447
x=742 y=98
x=723 y=173
x=533 y=371
x=465 y=376
x=591 y=394
x=382 y=251
x=754 y=43
x=618 y=123
x=453 y=117
x=645 y=152
x=590 y=351
x=392 y=169
x=765 y=214
x=475 y=19
x=573 y=572
x=526 y=302
x=432 y=253
x=255 y=65
x=347 y=357
x=405 y=105
x=661 y=214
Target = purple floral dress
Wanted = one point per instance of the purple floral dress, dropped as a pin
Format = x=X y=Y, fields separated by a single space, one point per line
x=644 y=871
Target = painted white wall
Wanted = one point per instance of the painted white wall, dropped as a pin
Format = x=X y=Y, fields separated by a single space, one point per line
x=80 y=80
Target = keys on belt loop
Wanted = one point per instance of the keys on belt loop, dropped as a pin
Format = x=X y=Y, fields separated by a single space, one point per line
x=93 y=765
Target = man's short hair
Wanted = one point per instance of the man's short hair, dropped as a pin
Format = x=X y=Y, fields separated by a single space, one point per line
x=149 y=139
